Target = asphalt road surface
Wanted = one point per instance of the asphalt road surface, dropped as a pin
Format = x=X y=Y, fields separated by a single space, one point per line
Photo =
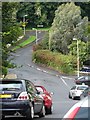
x=51 y=80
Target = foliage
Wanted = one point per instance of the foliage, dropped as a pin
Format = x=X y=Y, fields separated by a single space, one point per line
x=43 y=44
x=10 y=31
x=57 y=61
x=66 y=25
x=43 y=13
x=39 y=13
x=26 y=42
x=83 y=50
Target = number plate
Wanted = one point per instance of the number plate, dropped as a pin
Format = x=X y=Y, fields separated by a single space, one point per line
x=5 y=96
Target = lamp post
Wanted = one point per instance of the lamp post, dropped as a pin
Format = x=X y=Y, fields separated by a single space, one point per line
x=77 y=57
x=24 y=23
x=36 y=34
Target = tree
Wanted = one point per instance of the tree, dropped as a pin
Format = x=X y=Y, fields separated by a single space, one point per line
x=39 y=13
x=10 y=31
x=83 y=50
x=67 y=24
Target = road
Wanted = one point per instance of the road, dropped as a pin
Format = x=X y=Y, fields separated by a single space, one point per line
x=52 y=80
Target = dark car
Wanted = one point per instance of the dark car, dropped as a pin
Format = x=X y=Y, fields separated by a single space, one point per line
x=47 y=96
x=83 y=79
x=85 y=69
x=19 y=97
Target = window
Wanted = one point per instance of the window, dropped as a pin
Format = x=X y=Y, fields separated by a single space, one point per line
x=73 y=87
x=30 y=87
x=10 y=85
x=84 y=112
x=40 y=89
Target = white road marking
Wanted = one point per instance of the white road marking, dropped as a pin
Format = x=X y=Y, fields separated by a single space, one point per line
x=38 y=69
x=65 y=82
x=67 y=77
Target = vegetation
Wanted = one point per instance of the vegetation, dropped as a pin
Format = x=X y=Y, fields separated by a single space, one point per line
x=43 y=13
x=57 y=61
x=62 y=17
x=26 y=42
x=10 y=31
x=67 y=24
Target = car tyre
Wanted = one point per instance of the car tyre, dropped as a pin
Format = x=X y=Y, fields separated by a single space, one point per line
x=69 y=96
x=42 y=112
x=3 y=117
x=30 y=113
x=49 y=110
x=73 y=97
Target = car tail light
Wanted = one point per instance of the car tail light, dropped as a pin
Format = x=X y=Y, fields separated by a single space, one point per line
x=23 y=96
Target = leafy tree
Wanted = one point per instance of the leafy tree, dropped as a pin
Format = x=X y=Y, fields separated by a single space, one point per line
x=67 y=24
x=10 y=31
x=39 y=13
x=83 y=50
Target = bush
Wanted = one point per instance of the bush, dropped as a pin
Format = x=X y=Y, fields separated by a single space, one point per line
x=57 y=61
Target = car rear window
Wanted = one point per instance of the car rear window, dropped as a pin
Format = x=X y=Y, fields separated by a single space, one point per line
x=81 y=88
x=84 y=112
x=10 y=85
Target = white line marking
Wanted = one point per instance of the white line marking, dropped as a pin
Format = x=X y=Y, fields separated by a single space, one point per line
x=64 y=82
x=38 y=69
x=66 y=77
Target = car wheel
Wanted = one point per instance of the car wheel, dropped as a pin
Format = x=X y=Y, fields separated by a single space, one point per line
x=69 y=96
x=49 y=110
x=73 y=97
x=3 y=117
x=42 y=112
x=30 y=113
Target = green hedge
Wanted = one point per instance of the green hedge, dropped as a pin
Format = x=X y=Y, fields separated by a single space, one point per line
x=62 y=63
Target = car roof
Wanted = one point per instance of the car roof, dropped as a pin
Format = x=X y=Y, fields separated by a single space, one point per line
x=17 y=79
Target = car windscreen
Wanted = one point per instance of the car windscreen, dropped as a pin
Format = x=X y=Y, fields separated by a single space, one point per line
x=10 y=85
x=84 y=113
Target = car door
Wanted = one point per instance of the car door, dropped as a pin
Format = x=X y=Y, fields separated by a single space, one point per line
x=35 y=98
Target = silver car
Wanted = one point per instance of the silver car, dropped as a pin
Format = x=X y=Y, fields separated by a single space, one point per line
x=76 y=91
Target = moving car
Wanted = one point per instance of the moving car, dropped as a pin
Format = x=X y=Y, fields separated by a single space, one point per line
x=47 y=99
x=19 y=97
x=83 y=79
x=76 y=91
x=80 y=111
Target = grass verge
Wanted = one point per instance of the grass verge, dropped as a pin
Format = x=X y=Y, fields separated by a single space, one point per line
x=26 y=42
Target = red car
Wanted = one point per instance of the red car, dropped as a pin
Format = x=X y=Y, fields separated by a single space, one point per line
x=47 y=99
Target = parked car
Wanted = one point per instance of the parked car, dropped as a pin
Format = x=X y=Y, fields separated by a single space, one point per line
x=47 y=99
x=79 y=111
x=83 y=79
x=85 y=69
x=76 y=91
x=19 y=97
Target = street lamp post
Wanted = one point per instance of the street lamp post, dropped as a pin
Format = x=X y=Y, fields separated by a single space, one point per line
x=24 y=23
x=77 y=56
x=36 y=34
